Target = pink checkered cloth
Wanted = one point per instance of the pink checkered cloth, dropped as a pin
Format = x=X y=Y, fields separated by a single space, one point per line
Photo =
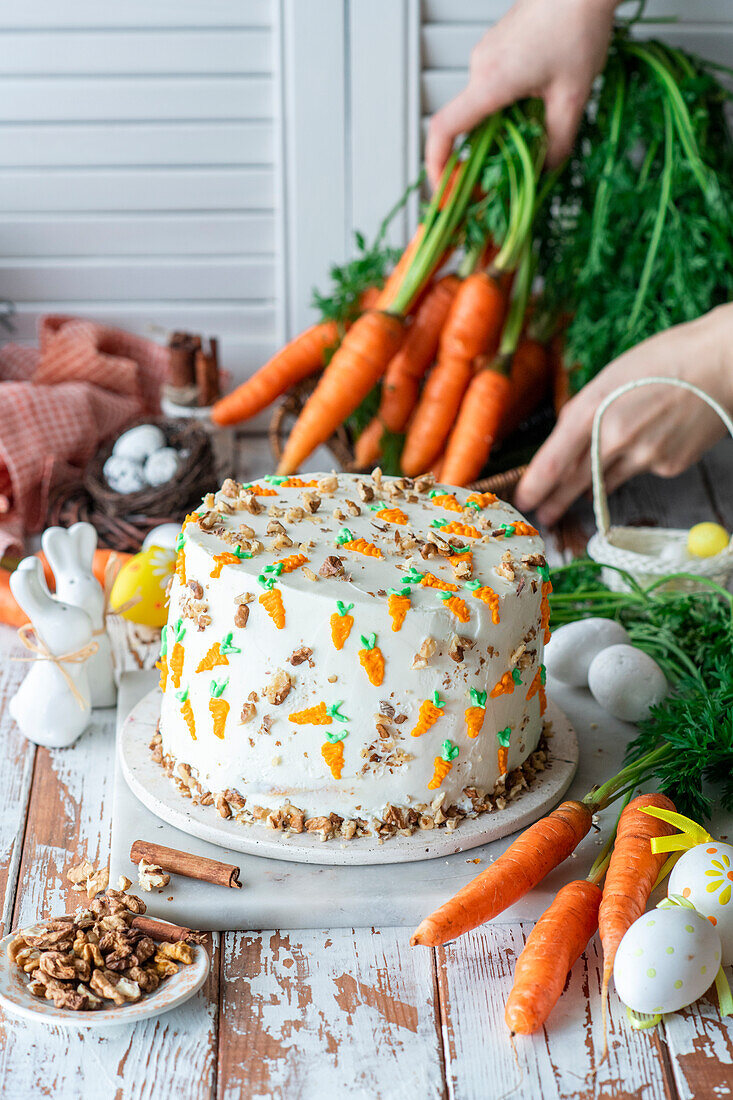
x=84 y=383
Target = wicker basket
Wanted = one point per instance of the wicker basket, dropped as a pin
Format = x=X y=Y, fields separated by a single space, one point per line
x=638 y=550
x=342 y=450
x=123 y=520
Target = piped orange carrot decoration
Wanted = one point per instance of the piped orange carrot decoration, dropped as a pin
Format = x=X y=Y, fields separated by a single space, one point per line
x=333 y=752
x=486 y=595
x=554 y=945
x=369 y=345
x=456 y=560
x=508 y=682
x=481 y=500
x=341 y=623
x=445 y=500
x=503 y=738
x=272 y=601
x=371 y=659
x=318 y=715
x=162 y=662
x=345 y=539
x=218 y=707
x=228 y=557
x=175 y=662
x=398 y=605
x=429 y=580
x=443 y=764
x=290 y=564
x=465 y=530
x=538 y=681
x=401 y=384
x=300 y=358
x=190 y=518
x=631 y=874
x=430 y=711
x=260 y=490
x=187 y=711
x=519 y=527
x=391 y=515
x=533 y=855
x=217 y=654
x=456 y=606
x=476 y=713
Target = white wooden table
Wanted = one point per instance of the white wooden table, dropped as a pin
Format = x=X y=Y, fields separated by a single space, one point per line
x=324 y=1014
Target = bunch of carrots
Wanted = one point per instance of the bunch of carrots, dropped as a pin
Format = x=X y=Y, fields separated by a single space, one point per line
x=444 y=357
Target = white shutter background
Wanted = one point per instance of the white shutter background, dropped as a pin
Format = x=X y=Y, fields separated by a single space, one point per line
x=200 y=163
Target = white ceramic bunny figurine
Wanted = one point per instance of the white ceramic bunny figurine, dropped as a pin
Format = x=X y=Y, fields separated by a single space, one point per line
x=45 y=706
x=70 y=554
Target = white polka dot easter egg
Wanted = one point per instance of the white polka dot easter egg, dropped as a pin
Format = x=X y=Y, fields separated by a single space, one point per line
x=666 y=960
x=139 y=588
x=704 y=875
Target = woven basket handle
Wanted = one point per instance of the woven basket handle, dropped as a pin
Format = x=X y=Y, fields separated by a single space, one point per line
x=600 y=499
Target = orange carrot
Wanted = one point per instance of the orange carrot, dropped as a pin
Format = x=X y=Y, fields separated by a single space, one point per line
x=272 y=602
x=300 y=358
x=456 y=606
x=162 y=662
x=333 y=754
x=530 y=379
x=471 y=328
x=430 y=711
x=429 y=580
x=318 y=715
x=356 y=366
x=391 y=515
x=446 y=500
x=290 y=564
x=556 y=942
x=478 y=424
x=507 y=683
x=525 y=863
x=398 y=605
x=457 y=559
x=218 y=707
x=187 y=711
x=503 y=738
x=371 y=659
x=466 y=530
x=631 y=874
x=217 y=654
x=476 y=713
x=443 y=764
x=537 y=683
x=406 y=369
x=360 y=546
x=486 y=595
x=175 y=662
x=368 y=447
x=341 y=624
x=180 y=569
x=481 y=500
x=228 y=558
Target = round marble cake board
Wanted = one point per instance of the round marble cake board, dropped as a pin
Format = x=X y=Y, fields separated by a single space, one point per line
x=155 y=790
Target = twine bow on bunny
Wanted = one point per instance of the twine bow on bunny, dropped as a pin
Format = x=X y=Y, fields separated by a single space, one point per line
x=41 y=652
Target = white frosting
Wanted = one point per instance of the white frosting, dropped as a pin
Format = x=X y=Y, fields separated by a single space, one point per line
x=272 y=761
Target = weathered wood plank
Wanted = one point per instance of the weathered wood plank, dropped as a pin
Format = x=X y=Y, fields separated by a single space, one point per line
x=701 y=1050
x=16 y=772
x=562 y=1060
x=317 y=1014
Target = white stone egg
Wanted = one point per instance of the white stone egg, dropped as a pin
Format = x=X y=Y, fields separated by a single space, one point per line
x=572 y=647
x=704 y=875
x=666 y=960
x=162 y=466
x=626 y=682
x=140 y=442
x=165 y=536
x=123 y=475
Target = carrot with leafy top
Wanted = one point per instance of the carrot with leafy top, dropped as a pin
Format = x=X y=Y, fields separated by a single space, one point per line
x=533 y=855
x=218 y=707
x=272 y=601
x=175 y=661
x=162 y=663
x=430 y=711
x=443 y=764
x=187 y=711
x=333 y=753
x=318 y=715
x=341 y=623
x=371 y=659
x=503 y=738
x=398 y=604
x=476 y=713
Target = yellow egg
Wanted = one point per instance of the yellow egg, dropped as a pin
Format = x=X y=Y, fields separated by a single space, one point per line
x=140 y=587
x=707 y=539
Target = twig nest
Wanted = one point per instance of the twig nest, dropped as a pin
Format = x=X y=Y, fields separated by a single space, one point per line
x=572 y=647
x=123 y=474
x=161 y=466
x=140 y=442
x=667 y=959
x=626 y=682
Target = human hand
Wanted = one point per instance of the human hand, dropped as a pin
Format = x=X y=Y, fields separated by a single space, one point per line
x=662 y=429
x=550 y=50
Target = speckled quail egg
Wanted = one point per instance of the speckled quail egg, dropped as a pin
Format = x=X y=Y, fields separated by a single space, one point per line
x=704 y=875
x=667 y=959
x=161 y=466
x=626 y=682
x=572 y=648
x=123 y=475
x=140 y=442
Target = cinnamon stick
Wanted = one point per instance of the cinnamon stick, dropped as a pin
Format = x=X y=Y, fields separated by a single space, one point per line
x=162 y=931
x=207 y=374
x=182 y=348
x=187 y=864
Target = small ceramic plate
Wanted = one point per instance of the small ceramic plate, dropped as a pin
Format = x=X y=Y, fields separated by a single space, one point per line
x=16 y=999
